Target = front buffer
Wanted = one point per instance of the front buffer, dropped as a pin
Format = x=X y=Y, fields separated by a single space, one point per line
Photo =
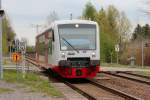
x=77 y=72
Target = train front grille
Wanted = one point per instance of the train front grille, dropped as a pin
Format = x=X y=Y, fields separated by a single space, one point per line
x=79 y=62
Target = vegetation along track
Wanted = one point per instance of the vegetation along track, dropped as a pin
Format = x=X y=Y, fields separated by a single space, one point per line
x=130 y=76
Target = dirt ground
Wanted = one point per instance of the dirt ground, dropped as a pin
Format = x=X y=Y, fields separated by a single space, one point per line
x=19 y=92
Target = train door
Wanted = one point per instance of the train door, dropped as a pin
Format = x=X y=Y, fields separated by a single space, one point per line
x=41 y=48
x=50 y=46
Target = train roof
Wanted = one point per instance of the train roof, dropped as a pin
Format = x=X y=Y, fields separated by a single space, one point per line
x=74 y=21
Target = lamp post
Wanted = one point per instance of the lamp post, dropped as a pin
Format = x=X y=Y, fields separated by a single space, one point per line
x=1 y=55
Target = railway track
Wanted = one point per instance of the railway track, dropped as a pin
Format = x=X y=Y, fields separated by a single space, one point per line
x=96 y=91
x=138 y=75
x=130 y=76
x=31 y=60
x=126 y=96
x=93 y=90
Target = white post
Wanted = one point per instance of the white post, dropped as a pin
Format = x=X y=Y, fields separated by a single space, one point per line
x=23 y=50
x=9 y=49
x=23 y=65
x=117 y=58
x=117 y=51
x=111 y=57
x=142 y=54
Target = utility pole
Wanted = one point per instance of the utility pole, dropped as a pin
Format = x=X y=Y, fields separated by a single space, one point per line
x=37 y=26
x=70 y=16
x=1 y=54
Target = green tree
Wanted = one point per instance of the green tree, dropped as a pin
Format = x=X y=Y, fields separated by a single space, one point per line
x=113 y=25
x=106 y=42
x=8 y=35
x=137 y=32
x=141 y=32
x=146 y=31
x=112 y=17
x=30 y=49
x=89 y=12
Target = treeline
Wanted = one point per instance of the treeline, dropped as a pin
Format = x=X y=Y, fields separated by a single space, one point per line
x=114 y=28
x=141 y=32
x=8 y=35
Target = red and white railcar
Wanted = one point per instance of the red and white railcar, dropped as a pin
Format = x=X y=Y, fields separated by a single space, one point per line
x=70 y=48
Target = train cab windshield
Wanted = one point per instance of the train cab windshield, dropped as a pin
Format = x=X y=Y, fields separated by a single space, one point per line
x=77 y=36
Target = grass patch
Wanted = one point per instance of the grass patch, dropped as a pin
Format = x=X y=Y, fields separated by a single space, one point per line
x=113 y=65
x=143 y=73
x=121 y=65
x=5 y=90
x=33 y=81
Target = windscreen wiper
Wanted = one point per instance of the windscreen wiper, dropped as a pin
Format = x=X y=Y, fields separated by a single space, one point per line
x=70 y=45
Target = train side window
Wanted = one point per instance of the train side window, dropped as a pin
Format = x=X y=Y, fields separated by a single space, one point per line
x=41 y=48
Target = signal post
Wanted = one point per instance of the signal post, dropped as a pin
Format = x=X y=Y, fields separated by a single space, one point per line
x=1 y=54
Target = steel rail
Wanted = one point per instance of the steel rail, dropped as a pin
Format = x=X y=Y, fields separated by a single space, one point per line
x=88 y=96
x=114 y=91
x=129 y=78
x=138 y=75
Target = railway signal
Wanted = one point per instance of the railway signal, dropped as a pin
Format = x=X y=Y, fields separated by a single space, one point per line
x=20 y=47
x=16 y=57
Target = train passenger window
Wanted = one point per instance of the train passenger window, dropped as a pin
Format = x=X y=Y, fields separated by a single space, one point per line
x=41 y=48
x=41 y=45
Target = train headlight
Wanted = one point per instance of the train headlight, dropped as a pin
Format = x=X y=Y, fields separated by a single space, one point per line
x=63 y=55
x=93 y=54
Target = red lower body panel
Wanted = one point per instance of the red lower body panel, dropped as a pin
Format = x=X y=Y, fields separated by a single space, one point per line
x=86 y=72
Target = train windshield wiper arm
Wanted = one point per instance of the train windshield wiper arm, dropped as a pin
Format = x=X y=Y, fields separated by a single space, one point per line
x=70 y=45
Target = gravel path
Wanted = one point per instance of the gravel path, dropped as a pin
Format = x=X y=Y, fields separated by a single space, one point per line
x=21 y=93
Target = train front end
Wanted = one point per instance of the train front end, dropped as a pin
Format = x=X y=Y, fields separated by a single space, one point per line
x=79 y=55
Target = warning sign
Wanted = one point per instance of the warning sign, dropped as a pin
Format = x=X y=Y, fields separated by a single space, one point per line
x=16 y=57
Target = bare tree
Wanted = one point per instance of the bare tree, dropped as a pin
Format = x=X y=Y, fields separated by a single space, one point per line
x=124 y=27
x=52 y=17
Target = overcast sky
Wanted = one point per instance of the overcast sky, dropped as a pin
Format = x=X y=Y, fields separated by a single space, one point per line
x=24 y=13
